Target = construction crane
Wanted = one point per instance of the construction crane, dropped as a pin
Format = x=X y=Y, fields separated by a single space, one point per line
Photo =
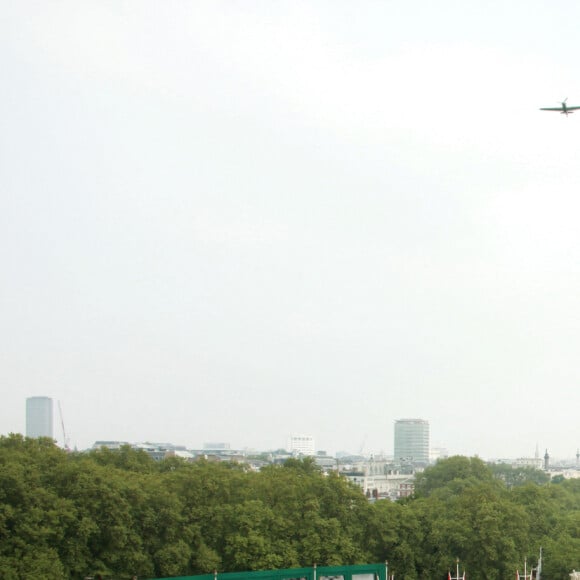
x=65 y=440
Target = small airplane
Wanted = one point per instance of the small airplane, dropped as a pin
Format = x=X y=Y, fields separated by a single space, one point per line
x=564 y=108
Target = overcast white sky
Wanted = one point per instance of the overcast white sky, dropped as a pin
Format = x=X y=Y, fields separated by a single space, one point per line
x=234 y=221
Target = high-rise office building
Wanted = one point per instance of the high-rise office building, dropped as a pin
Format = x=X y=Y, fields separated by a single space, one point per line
x=412 y=441
x=39 y=417
x=301 y=444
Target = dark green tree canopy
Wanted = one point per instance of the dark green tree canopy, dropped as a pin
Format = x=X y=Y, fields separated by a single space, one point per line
x=119 y=514
x=457 y=469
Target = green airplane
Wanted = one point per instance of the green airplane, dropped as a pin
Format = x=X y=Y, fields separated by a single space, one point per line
x=564 y=108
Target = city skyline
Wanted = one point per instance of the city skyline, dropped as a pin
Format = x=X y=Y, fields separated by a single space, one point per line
x=40 y=421
x=232 y=221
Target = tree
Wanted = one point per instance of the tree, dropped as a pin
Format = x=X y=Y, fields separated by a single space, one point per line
x=516 y=476
x=446 y=471
x=480 y=526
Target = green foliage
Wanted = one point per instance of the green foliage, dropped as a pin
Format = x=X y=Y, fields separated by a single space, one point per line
x=515 y=476
x=306 y=465
x=125 y=458
x=458 y=469
x=118 y=513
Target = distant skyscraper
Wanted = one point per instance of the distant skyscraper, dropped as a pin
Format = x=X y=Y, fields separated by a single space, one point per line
x=301 y=444
x=39 y=417
x=412 y=441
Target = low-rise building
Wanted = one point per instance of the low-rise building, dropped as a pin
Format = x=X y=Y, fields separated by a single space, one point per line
x=391 y=486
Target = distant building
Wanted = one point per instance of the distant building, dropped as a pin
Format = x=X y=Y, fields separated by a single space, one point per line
x=39 y=417
x=533 y=462
x=437 y=453
x=187 y=455
x=301 y=445
x=326 y=463
x=391 y=486
x=213 y=446
x=114 y=445
x=412 y=441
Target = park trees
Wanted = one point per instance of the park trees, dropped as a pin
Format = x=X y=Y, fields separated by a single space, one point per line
x=34 y=520
x=65 y=515
x=458 y=469
x=462 y=511
x=516 y=476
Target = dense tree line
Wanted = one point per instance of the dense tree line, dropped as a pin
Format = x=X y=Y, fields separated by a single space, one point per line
x=118 y=513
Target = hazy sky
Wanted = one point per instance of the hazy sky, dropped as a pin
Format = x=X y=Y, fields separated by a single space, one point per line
x=234 y=221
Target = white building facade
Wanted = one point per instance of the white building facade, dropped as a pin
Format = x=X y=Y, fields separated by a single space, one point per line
x=388 y=486
x=301 y=445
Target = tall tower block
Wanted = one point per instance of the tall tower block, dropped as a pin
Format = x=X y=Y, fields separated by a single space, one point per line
x=39 y=417
x=412 y=441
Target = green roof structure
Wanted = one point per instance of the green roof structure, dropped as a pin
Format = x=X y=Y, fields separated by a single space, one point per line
x=357 y=572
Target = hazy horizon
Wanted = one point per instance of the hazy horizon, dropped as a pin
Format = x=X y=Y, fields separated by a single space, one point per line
x=364 y=448
x=233 y=221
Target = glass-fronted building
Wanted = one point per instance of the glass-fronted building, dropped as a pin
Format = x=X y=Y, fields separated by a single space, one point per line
x=412 y=441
